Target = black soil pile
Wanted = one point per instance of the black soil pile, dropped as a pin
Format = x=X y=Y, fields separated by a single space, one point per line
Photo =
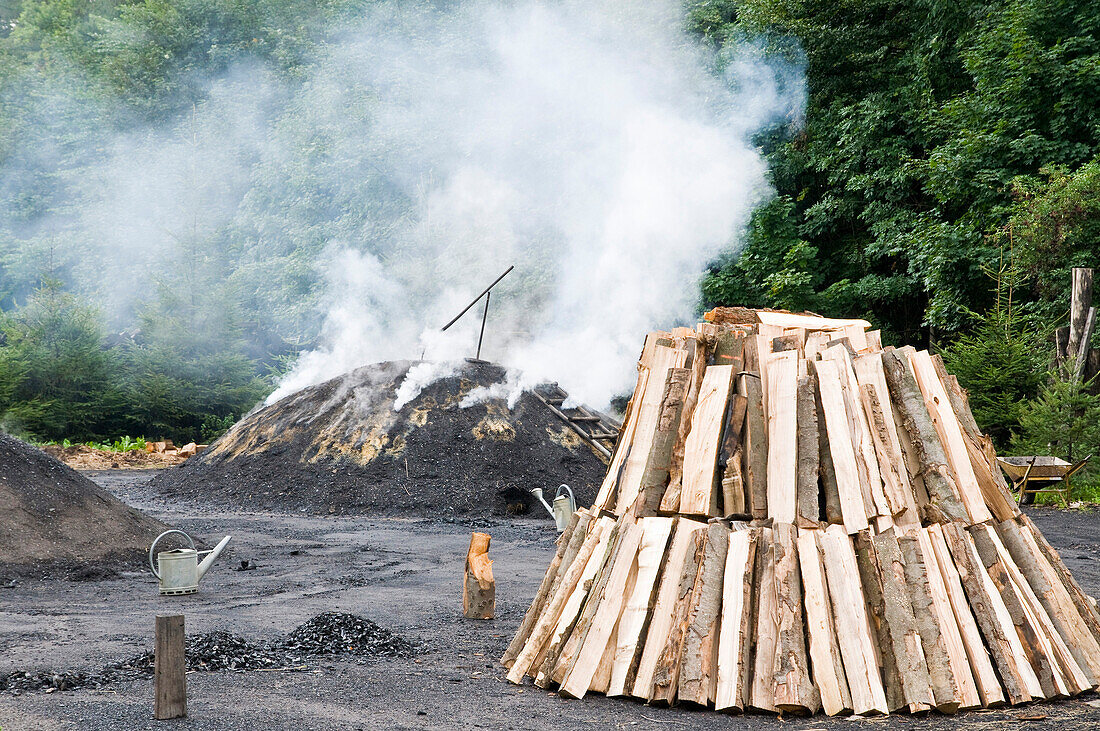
x=328 y=634
x=340 y=447
x=52 y=517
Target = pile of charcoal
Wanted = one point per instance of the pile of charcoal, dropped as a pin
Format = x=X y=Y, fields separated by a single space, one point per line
x=331 y=633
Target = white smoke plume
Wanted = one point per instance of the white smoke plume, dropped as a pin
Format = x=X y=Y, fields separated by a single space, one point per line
x=591 y=144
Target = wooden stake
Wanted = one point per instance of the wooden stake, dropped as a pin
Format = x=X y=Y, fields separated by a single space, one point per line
x=1080 y=302
x=169 y=668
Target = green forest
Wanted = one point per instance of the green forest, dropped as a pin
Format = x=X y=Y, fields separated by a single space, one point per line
x=943 y=182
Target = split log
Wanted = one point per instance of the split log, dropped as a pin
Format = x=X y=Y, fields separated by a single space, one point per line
x=479 y=590
x=901 y=623
x=1068 y=678
x=1085 y=604
x=830 y=493
x=945 y=657
x=1020 y=681
x=1036 y=646
x=731 y=458
x=870 y=579
x=783 y=436
x=985 y=677
x=765 y=630
x=875 y=503
x=892 y=462
x=828 y=669
x=794 y=690
x=671 y=503
x=609 y=488
x=951 y=436
x=636 y=615
x=809 y=506
x=983 y=456
x=841 y=449
x=756 y=446
x=735 y=630
x=656 y=475
x=662 y=359
x=596 y=625
x=701 y=447
x=566 y=545
x=666 y=673
x=546 y=631
x=660 y=624
x=945 y=502
x=581 y=607
x=700 y=646
x=853 y=628
x=1055 y=598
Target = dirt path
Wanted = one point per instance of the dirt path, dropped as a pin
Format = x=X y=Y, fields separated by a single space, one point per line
x=403 y=574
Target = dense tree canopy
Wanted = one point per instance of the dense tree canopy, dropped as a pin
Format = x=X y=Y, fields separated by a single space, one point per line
x=939 y=140
x=937 y=136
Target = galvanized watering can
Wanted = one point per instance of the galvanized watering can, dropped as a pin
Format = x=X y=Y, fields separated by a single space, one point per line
x=179 y=570
x=564 y=505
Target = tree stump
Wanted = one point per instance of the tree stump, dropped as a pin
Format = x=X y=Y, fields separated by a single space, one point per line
x=479 y=592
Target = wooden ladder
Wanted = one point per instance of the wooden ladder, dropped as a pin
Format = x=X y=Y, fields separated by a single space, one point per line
x=600 y=431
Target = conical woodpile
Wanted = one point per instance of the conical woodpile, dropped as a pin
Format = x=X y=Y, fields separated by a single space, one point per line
x=796 y=520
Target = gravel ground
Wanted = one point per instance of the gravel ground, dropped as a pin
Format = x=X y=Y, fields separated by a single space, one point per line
x=406 y=576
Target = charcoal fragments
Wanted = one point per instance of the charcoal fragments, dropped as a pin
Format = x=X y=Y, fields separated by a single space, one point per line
x=328 y=634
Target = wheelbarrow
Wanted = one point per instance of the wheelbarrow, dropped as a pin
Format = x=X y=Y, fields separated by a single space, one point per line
x=1039 y=474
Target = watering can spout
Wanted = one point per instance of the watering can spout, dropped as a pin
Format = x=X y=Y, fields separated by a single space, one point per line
x=209 y=560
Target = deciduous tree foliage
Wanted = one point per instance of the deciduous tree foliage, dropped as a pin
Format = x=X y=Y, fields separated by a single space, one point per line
x=934 y=131
x=937 y=136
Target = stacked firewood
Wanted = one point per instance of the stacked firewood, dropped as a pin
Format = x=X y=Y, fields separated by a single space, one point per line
x=797 y=519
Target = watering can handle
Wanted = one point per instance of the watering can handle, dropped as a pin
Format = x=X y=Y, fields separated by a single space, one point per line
x=152 y=565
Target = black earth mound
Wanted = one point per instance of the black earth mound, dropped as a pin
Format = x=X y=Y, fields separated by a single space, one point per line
x=340 y=447
x=54 y=518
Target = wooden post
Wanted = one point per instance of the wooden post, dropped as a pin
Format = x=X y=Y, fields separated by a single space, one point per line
x=479 y=591
x=1079 y=304
x=169 y=668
